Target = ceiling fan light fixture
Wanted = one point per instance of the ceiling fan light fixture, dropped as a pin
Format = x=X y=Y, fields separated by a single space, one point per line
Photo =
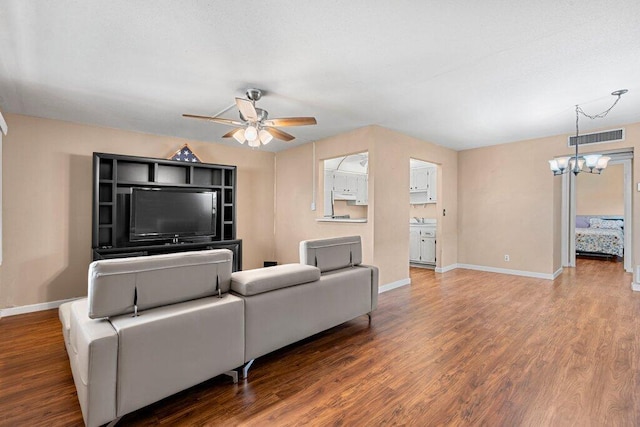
x=251 y=133
x=254 y=143
x=239 y=136
x=265 y=136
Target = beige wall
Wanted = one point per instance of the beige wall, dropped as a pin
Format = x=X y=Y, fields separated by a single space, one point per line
x=511 y=206
x=495 y=203
x=295 y=221
x=386 y=234
x=47 y=173
x=601 y=194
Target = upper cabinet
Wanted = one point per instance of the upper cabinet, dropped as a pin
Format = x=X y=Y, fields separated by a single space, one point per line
x=423 y=182
x=420 y=179
x=346 y=179
x=348 y=186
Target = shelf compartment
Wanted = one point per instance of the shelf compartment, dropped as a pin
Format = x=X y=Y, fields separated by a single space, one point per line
x=228 y=178
x=228 y=232
x=105 y=214
x=168 y=174
x=228 y=196
x=105 y=234
x=207 y=177
x=105 y=193
x=134 y=171
x=228 y=213
x=106 y=169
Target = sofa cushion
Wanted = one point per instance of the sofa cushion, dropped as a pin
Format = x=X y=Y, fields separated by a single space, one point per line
x=253 y=282
x=156 y=280
x=331 y=254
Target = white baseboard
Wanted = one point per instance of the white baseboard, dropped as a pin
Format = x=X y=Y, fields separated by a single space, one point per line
x=394 y=285
x=557 y=273
x=533 y=274
x=635 y=286
x=447 y=268
x=13 y=311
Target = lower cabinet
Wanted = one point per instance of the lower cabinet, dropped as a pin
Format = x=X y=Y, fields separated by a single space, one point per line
x=428 y=250
x=422 y=244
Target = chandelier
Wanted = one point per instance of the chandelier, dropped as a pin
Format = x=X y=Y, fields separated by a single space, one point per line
x=590 y=163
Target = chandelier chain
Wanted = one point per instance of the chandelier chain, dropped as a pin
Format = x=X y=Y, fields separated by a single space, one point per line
x=599 y=115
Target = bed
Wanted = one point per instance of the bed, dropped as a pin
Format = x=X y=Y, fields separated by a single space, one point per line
x=600 y=236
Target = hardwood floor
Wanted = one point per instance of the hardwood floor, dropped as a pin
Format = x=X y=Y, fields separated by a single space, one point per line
x=461 y=348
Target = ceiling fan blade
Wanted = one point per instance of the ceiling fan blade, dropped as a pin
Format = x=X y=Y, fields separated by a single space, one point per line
x=291 y=121
x=230 y=133
x=247 y=109
x=215 y=119
x=277 y=133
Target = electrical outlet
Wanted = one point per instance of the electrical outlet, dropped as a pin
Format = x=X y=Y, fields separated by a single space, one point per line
x=506 y=258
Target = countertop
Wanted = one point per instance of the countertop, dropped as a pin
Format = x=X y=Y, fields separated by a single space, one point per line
x=360 y=220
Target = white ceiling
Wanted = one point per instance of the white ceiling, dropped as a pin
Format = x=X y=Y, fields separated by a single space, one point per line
x=458 y=73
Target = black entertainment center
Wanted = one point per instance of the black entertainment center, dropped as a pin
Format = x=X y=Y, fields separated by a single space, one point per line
x=144 y=206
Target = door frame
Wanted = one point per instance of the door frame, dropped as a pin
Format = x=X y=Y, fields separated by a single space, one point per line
x=568 y=208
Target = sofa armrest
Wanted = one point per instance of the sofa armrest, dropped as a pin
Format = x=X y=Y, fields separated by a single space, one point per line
x=375 y=273
x=93 y=354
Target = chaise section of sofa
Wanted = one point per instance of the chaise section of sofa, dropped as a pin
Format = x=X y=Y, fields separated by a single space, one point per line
x=150 y=327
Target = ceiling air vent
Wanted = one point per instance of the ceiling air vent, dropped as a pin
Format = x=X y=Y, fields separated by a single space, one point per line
x=598 y=137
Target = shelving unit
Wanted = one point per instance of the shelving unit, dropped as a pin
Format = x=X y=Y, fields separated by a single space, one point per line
x=116 y=175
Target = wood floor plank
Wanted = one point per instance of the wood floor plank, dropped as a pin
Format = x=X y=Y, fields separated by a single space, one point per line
x=460 y=348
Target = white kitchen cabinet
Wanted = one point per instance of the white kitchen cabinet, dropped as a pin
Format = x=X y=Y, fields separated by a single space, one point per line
x=422 y=243
x=419 y=180
x=428 y=250
x=352 y=187
x=362 y=190
x=339 y=183
x=423 y=185
x=414 y=244
x=432 y=184
x=345 y=182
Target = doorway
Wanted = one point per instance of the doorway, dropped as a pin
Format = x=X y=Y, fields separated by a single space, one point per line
x=423 y=224
x=570 y=211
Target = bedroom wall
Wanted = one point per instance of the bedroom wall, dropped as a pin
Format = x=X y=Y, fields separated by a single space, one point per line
x=508 y=206
x=601 y=194
x=47 y=172
x=386 y=234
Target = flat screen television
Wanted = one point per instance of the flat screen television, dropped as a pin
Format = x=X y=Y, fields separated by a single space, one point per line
x=170 y=213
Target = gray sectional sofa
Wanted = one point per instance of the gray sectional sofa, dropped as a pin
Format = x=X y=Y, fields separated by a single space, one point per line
x=153 y=326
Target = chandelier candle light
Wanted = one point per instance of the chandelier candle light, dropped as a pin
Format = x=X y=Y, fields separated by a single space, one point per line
x=591 y=163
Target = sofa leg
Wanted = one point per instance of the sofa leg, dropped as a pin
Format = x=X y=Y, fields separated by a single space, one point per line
x=369 y=316
x=233 y=375
x=245 y=369
x=113 y=422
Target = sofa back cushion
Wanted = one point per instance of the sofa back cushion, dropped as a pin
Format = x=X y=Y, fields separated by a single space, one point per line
x=331 y=254
x=116 y=285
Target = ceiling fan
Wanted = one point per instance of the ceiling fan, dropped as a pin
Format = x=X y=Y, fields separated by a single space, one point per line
x=254 y=125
